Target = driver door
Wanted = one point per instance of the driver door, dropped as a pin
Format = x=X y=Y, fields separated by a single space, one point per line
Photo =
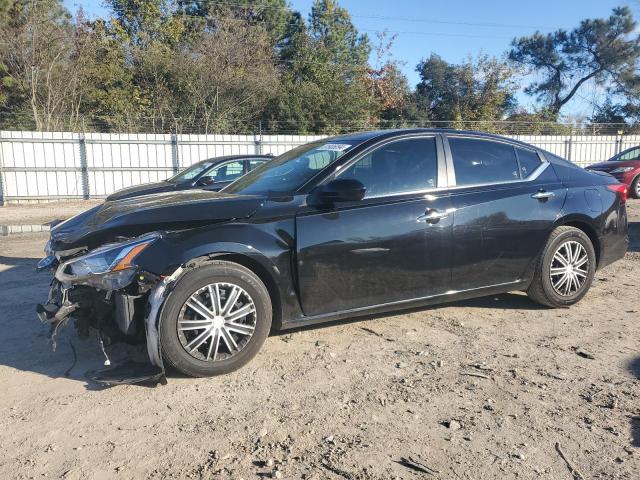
x=392 y=246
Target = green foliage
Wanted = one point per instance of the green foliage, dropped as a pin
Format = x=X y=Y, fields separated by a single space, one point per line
x=36 y=48
x=478 y=90
x=603 y=51
x=237 y=66
x=325 y=65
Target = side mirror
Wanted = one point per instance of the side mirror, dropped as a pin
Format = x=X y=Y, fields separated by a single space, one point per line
x=341 y=190
x=204 y=181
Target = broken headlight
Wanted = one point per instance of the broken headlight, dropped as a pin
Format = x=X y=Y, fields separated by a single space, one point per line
x=109 y=267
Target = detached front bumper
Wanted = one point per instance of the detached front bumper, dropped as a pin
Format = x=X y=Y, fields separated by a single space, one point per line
x=58 y=308
x=130 y=314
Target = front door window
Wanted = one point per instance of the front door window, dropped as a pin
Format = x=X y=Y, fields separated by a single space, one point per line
x=399 y=167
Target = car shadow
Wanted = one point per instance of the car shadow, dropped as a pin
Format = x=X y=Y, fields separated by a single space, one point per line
x=505 y=301
x=634 y=236
x=634 y=367
x=635 y=432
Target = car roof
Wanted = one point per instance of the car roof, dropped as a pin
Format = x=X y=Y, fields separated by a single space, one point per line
x=360 y=137
x=626 y=150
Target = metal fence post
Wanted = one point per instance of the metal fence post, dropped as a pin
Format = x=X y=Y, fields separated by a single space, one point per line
x=84 y=170
x=619 y=140
x=258 y=139
x=174 y=153
x=567 y=147
x=1 y=184
x=1 y=174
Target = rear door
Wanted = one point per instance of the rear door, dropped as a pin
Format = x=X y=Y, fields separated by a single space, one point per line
x=393 y=245
x=505 y=200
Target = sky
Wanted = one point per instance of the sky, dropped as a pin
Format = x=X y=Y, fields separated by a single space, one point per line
x=456 y=29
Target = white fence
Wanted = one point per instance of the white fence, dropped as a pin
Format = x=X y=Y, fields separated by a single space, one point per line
x=36 y=166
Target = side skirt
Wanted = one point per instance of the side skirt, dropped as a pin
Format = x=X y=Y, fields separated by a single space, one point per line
x=451 y=296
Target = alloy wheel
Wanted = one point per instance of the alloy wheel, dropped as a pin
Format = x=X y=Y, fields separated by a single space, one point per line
x=569 y=268
x=216 y=322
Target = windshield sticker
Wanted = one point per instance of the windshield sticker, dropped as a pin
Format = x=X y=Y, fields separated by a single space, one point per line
x=334 y=147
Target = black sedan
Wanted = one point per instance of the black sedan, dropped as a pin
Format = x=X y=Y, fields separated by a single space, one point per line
x=211 y=174
x=337 y=228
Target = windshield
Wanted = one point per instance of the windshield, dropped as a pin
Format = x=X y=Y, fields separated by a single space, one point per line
x=288 y=172
x=192 y=172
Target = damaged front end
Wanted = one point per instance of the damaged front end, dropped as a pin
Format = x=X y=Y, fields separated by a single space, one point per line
x=104 y=289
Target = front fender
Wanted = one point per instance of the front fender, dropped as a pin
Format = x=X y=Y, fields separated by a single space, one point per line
x=268 y=245
x=157 y=299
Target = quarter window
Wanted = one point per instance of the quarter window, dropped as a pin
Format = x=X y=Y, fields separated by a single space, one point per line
x=398 y=167
x=529 y=161
x=481 y=161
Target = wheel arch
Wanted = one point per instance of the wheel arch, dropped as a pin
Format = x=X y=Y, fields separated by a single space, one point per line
x=634 y=180
x=262 y=267
x=585 y=224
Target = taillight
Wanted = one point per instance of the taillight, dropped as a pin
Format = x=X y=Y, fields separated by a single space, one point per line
x=621 y=189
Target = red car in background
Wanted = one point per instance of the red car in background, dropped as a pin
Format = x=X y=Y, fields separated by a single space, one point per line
x=625 y=166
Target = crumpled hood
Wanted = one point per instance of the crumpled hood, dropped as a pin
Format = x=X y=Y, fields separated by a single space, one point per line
x=138 y=215
x=144 y=189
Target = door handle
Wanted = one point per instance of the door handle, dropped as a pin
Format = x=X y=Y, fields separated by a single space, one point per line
x=542 y=195
x=433 y=216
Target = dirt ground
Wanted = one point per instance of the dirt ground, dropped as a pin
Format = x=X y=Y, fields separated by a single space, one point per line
x=490 y=388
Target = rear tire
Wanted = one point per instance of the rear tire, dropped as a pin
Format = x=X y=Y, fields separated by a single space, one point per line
x=565 y=269
x=203 y=328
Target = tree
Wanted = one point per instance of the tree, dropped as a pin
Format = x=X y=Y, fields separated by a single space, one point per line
x=603 y=51
x=225 y=77
x=324 y=69
x=43 y=65
x=609 y=113
x=478 y=90
x=196 y=67
x=388 y=86
x=115 y=101
x=274 y=16
x=145 y=22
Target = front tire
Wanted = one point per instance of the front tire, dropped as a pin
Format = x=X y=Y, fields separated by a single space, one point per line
x=215 y=320
x=565 y=269
x=634 y=188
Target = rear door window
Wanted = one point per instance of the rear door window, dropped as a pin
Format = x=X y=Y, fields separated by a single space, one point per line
x=478 y=161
